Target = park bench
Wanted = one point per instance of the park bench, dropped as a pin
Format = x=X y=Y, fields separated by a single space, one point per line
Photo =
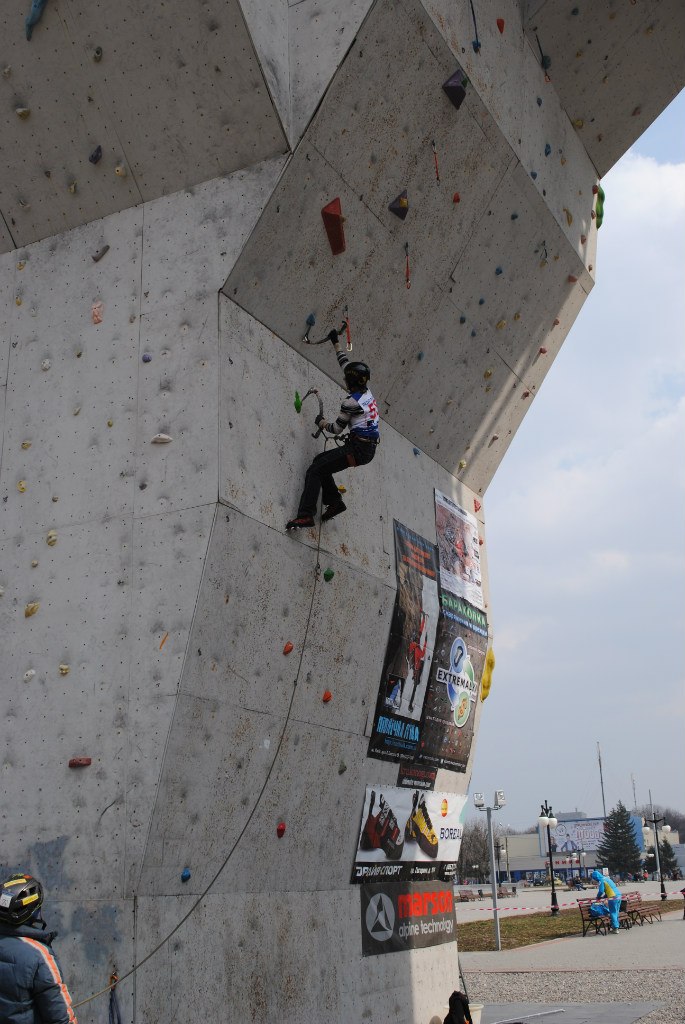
x=638 y=911
x=504 y=893
x=600 y=924
x=466 y=895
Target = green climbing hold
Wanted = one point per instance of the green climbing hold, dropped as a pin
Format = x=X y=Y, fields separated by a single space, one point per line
x=599 y=208
x=328 y=575
x=298 y=402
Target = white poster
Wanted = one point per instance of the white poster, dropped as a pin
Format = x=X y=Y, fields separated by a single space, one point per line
x=458 y=550
x=571 y=836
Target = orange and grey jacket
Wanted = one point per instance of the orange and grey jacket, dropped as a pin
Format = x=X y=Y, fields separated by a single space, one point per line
x=32 y=990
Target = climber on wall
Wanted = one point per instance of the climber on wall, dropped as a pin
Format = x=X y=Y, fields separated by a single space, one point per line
x=358 y=411
x=31 y=983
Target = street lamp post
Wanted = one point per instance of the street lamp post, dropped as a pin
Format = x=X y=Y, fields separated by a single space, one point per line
x=498 y=851
x=498 y=803
x=475 y=868
x=546 y=819
x=654 y=822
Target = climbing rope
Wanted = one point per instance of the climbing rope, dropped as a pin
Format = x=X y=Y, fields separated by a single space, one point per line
x=115 y=979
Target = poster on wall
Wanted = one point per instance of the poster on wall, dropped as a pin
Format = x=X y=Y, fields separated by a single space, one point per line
x=574 y=835
x=409 y=652
x=408 y=834
x=458 y=550
x=449 y=709
x=399 y=916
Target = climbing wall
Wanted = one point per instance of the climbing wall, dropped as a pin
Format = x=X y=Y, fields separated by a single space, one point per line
x=172 y=771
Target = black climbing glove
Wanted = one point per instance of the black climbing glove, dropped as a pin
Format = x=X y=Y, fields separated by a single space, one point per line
x=333 y=336
x=320 y=419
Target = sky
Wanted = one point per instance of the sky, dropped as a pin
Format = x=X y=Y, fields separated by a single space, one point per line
x=585 y=526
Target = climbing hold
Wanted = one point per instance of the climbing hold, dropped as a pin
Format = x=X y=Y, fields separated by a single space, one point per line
x=455 y=88
x=327 y=696
x=495 y=437
x=569 y=216
x=546 y=63
x=328 y=575
x=578 y=122
x=498 y=271
x=64 y=670
x=480 y=541
x=147 y=358
x=7 y=71
x=517 y=316
x=161 y=439
x=638 y=110
x=51 y=538
x=101 y=252
x=400 y=205
x=76 y=410
x=97 y=312
x=476 y=505
x=534 y=175
x=333 y=223
x=583 y=239
x=525 y=394
x=22 y=112
x=542 y=351
x=120 y=171
x=514 y=216
x=548 y=149
x=288 y=648
x=72 y=186
x=476 y=45
x=97 y=54
x=185 y=875
x=462 y=463
x=342 y=489
x=572 y=279
x=500 y=25
x=539 y=101
x=575 y=11
x=486 y=680
x=25 y=445
x=456 y=198
x=29 y=674
x=34 y=16
x=110 y=423
x=416 y=451
x=501 y=324
x=488 y=374
x=21 y=264
x=164 y=640
x=96 y=155
x=600 y=206
x=481 y=302
x=298 y=402
x=342 y=768
x=420 y=356
x=55 y=497
x=462 y=319
x=562 y=161
x=311 y=320
x=34 y=563
x=21 y=486
x=280 y=829
x=31 y=609
x=473 y=333
x=45 y=364
x=18 y=301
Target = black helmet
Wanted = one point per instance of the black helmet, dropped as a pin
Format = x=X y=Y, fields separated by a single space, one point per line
x=20 y=897
x=357 y=375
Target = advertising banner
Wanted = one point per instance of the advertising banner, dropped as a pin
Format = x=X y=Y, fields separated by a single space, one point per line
x=458 y=550
x=449 y=708
x=399 y=916
x=408 y=656
x=571 y=836
x=408 y=834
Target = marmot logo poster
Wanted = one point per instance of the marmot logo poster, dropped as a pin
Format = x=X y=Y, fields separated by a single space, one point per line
x=398 y=916
x=408 y=835
x=408 y=655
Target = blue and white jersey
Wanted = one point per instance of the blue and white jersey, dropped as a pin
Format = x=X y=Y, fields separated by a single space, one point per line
x=358 y=411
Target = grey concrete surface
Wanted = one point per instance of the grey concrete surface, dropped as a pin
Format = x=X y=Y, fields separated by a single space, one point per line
x=567 y=1013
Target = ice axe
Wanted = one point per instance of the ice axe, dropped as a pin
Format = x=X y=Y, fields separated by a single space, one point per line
x=299 y=402
x=331 y=336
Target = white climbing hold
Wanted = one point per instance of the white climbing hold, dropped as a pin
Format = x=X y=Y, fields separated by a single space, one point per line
x=120 y=171
x=64 y=670
x=72 y=186
x=51 y=538
x=46 y=364
x=31 y=609
x=29 y=674
x=77 y=410
x=161 y=439
x=34 y=563
x=22 y=112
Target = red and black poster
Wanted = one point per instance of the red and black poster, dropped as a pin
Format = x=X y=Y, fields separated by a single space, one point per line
x=399 y=916
x=408 y=656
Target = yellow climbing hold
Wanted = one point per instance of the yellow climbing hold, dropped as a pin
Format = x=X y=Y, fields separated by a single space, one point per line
x=110 y=423
x=462 y=463
x=34 y=563
x=342 y=489
x=22 y=112
x=569 y=216
x=25 y=445
x=51 y=538
x=21 y=264
x=578 y=123
x=64 y=670
x=517 y=316
x=500 y=324
x=31 y=609
x=72 y=186
x=21 y=486
x=486 y=681
x=488 y=374
x=18 y=301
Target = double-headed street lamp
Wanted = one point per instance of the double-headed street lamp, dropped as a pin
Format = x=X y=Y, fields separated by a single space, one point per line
x=499 y=802
x=547 y=819
x=647 y=825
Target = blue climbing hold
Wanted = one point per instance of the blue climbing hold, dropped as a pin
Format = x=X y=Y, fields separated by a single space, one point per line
x=539 y=101
x=533 y=175
x=462 y=319
x=548 y=149
x=420 y=356
x=96 y=155
x=575 y=11
x=473 y=333
x=498 y=270
x=34 y=16
x=514 y=216
x=416 y=451
x=185 y=874
x=476 y=45
x=311 y=320
x=481 y=302
x=147 y=358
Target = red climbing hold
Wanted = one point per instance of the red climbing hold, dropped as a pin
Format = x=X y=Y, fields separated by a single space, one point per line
x=595 y=189
x=542 y=351
x=280 y=829
x=476 y=505
x=456 y=198
x=333 y=223
x=327 y=695
x=500 y=25
x=583 y=239
x=79 y=762
x=525 y=394
x=288 y=648
x=480 y=542
x=572 y=279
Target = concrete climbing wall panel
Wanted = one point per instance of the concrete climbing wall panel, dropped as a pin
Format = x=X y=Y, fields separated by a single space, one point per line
x=267 y=24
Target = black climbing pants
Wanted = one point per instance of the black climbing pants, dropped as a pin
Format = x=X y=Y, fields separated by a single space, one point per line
x=319 y=476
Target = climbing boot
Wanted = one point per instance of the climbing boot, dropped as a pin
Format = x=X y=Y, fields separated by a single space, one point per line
x=419 y=828
x=300 y=523
x=331 y=511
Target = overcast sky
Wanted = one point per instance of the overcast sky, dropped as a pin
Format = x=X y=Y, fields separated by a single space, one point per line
x=585 y=527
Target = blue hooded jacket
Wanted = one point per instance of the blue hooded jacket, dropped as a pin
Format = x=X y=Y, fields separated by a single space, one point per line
x=607 y=888
x=32 y=990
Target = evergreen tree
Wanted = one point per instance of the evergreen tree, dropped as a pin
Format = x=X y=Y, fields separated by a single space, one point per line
x=666 y=856
x=619 y=850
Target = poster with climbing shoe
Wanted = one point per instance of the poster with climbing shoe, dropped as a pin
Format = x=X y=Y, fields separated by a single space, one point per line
x=449 y=709
x=398 y=916
x=458 y=550
x=409 y=652
x=408 y=834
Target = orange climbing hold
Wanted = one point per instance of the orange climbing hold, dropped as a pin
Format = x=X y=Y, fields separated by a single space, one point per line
x=280 y=829
x=327 y=696
x=572 y=279
x=333 y=222
x=476 y=505
x=288 y=648
x=456 y=198
x=97 y=312
x=500 y=25
x=164 y=640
